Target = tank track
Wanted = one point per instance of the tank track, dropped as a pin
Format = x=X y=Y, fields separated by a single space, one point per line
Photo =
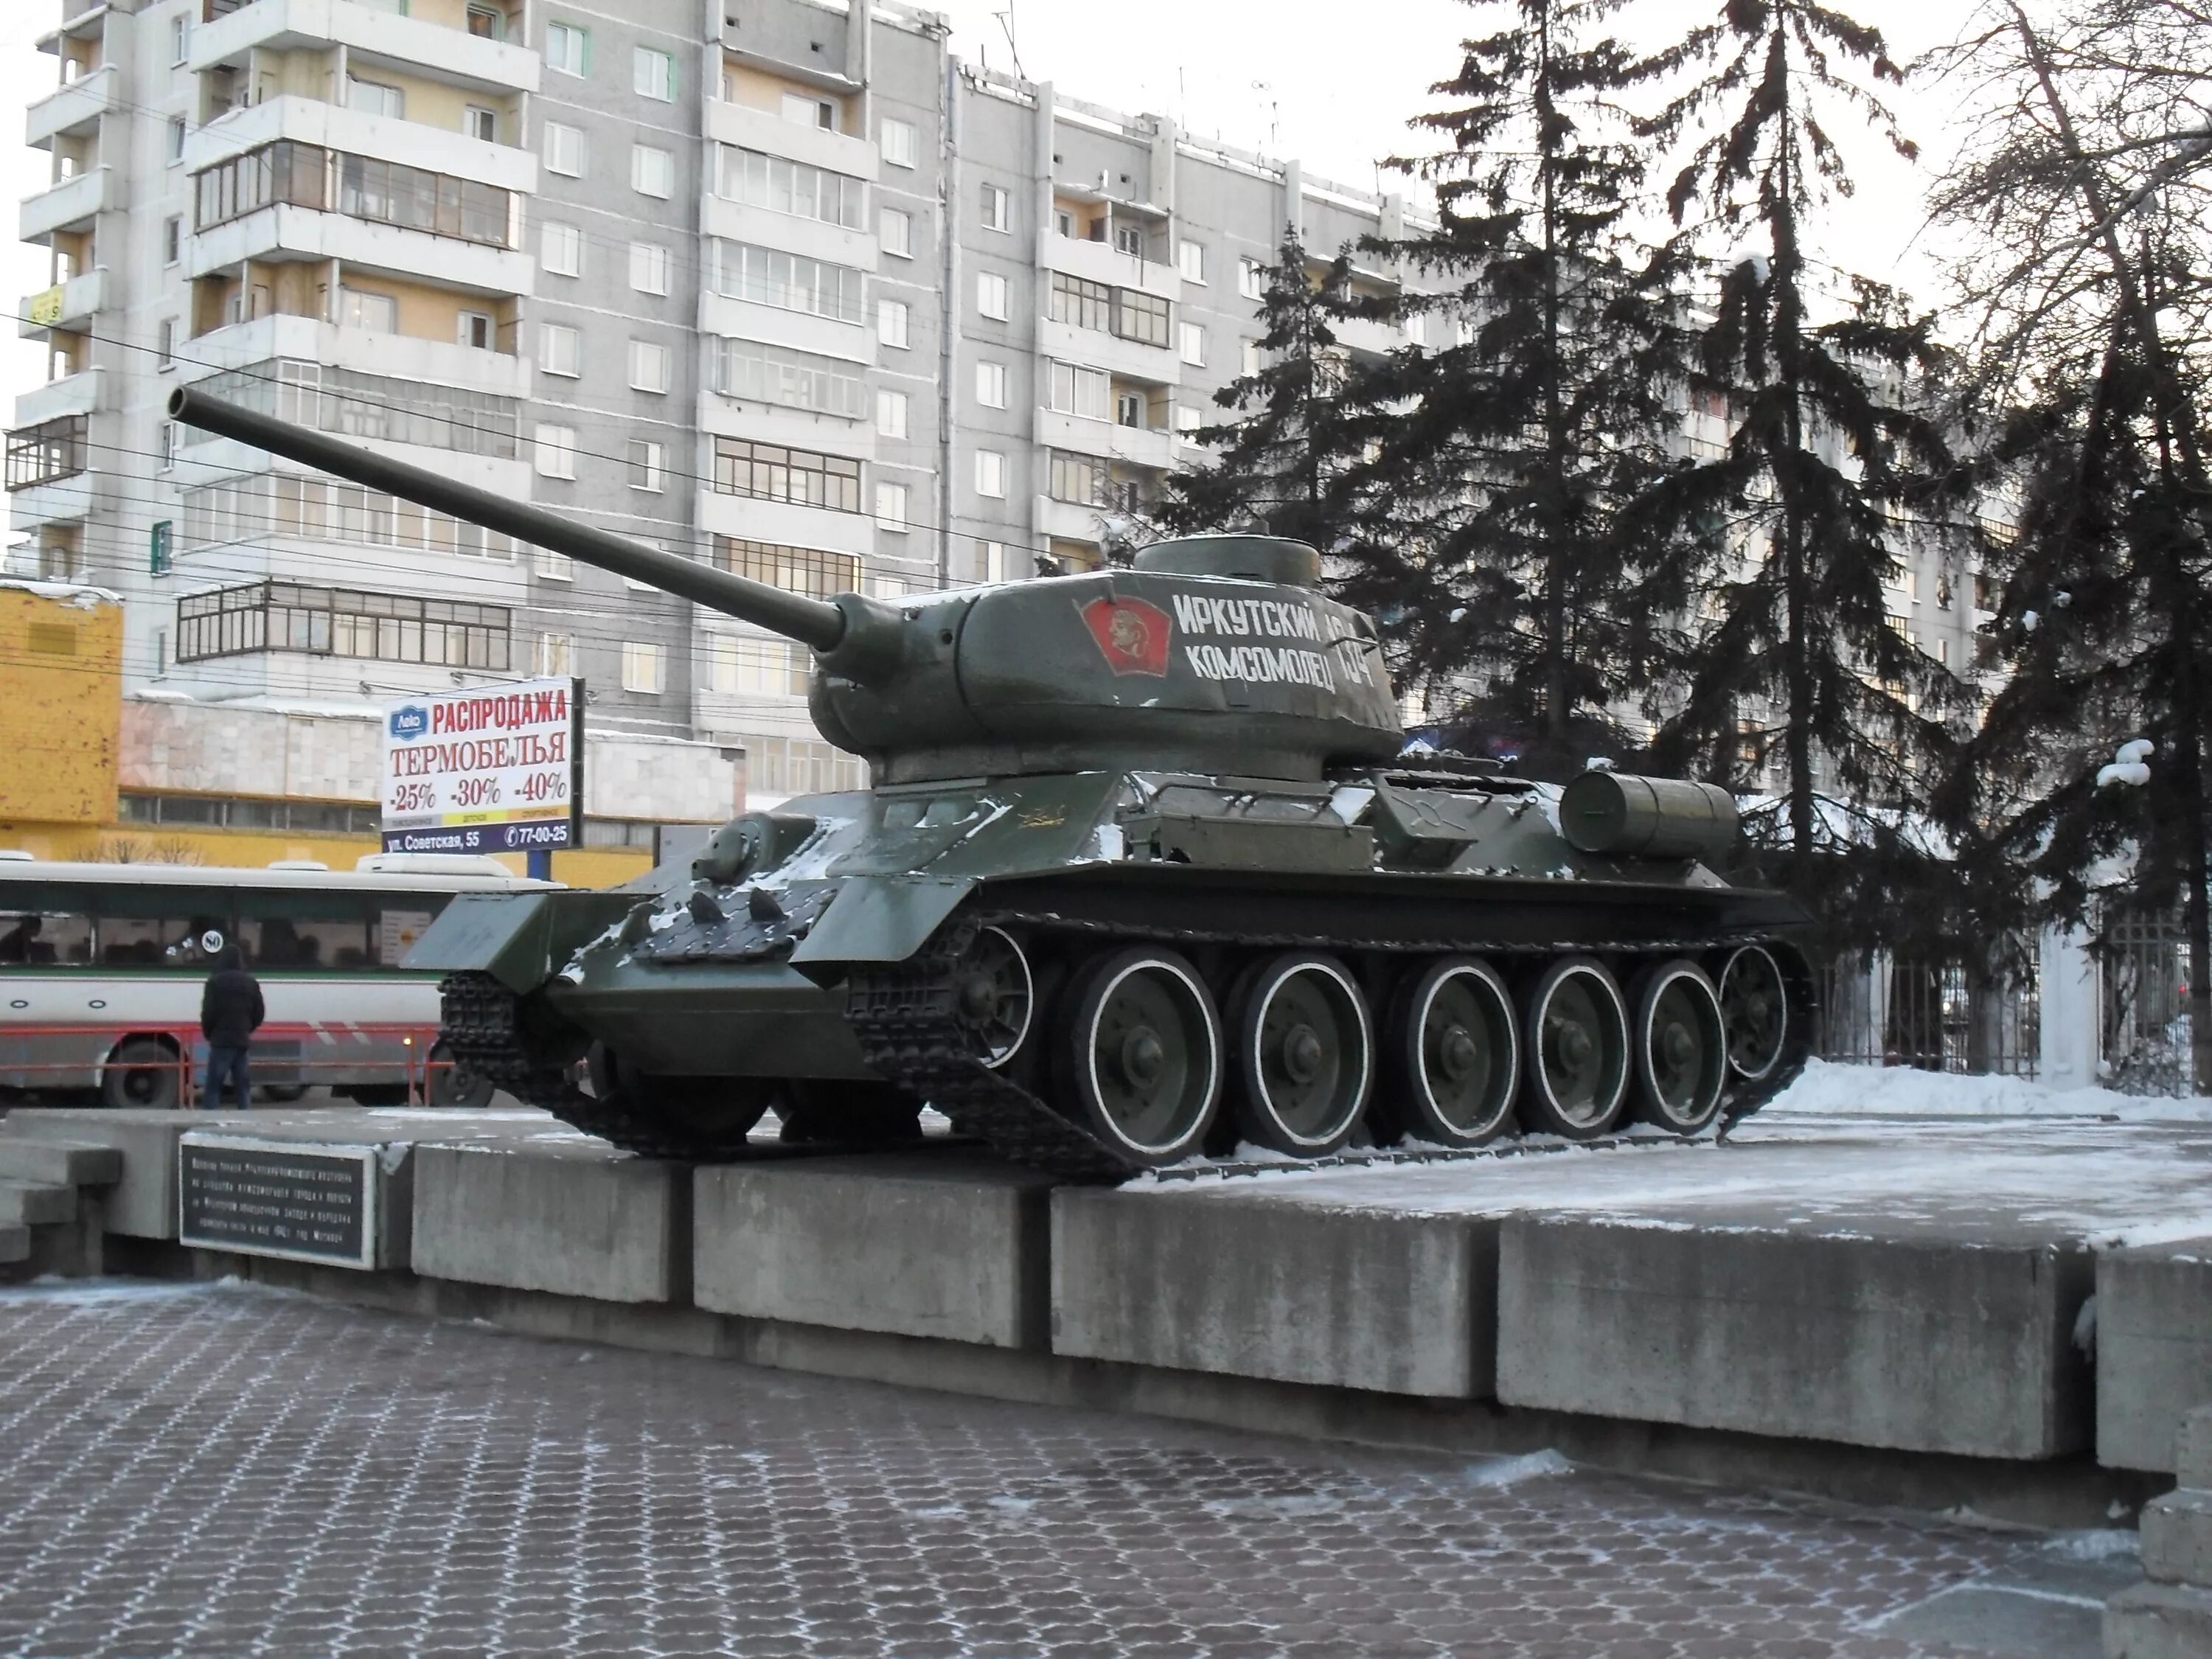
x=902 y=1013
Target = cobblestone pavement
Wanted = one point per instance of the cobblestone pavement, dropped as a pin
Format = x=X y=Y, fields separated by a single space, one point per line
x=222 y=1470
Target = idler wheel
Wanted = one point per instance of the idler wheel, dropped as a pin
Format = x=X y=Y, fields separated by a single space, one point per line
x=1305 y=1055
x=1755 y=1010
x=1575 y=1038
x=993 y=996
x=1141 y=1054
x=1681 y=1055
x=1455 y=1054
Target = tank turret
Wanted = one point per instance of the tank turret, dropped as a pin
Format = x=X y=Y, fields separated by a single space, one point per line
x=1142 y=873
x=1217 y=653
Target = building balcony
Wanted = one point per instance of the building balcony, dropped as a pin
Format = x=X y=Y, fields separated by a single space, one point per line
x=402 y=356
x=748 y=319
x=1093 y=348
x=59 y=500
x=787 y=232
x=1138 y=445
x=73 y=394
x=452 y=54
x=784 y=522
x=770 y=134
x=77 y=108
x=1367 y=337
x=1099 y=262
x=283 y=232
x=1067 y=521
x=72 y=204
x=778 y=423
x=354 y=132
x=66 y=305
x=80 y=19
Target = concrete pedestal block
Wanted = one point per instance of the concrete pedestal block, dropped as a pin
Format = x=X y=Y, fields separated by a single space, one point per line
x=2193 y=1450
x=912 y=1244
x=1917 y=1340
x=2177 y=1538
x=142 y=1203
x=2153 y=1349
x=2159 y=1621
x=574 y=1217
x=1251 y=1284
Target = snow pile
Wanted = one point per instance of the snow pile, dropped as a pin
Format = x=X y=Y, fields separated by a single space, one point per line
x=1830 y=1090
x=2129 y=765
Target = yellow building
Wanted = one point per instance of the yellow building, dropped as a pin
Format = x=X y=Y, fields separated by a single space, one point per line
x=87 y=773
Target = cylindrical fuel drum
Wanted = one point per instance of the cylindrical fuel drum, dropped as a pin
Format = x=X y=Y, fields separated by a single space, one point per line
x=1647 y=817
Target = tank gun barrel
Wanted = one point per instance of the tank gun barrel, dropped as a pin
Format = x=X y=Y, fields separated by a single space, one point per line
x=852 y=634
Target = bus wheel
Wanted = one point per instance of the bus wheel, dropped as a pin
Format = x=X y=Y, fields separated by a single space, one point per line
x=142 y=1071
x=452 y=1084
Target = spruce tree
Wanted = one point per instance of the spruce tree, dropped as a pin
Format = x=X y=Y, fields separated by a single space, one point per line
x=1832 y=453
x=1279 y=468
x=1488 y=503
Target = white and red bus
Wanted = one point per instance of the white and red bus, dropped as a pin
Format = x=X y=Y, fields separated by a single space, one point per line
x=102 y=966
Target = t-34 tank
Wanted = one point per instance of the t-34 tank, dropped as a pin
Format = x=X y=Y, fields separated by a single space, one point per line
x=1145 y=870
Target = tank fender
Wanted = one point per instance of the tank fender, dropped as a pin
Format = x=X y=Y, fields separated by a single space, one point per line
x=877 y=919
x=518 y=938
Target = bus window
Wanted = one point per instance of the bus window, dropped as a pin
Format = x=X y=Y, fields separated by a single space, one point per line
x=31 y=937
x=397 y=931
x=159 y=941
x=304 y=930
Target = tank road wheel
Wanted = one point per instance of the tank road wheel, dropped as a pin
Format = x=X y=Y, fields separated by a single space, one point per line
x=818 y=1111
x=1681 y=1056
x=995 y=995
x=1455 y=1054
x=1576 y=1037
x=683 y=1117
x=453 y=1083
x=1305 y=1055
x=1755 y=1010
x=1142 y=1050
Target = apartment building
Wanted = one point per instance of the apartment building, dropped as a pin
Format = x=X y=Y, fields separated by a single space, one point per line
x=781 y=284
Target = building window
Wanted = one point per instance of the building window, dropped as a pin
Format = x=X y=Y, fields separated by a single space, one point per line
x=1141 y=317
x=475 y=330
x=760 y=666
x=376 y=312
x=162 y=547
x=561 y=349
x=486 y=22
x=648 y=268
x=648 y=464
x=653 y=74
x=1073 y=390
x=342 y=621
x=384 y=192
x=649 y=366
x=52 y=449
x=771 y=473
x=991 y=385
x=1189 y=421
x=790 y=282
x=812 y=571
x=997 y=208
x=891 y=506
x=792 y=187
x=991 y=474
x=165 y=345
x=890 y=414
x=652 y=171
x=556 y=452
x=281 y=172
x=991 y=296
x=1129 y=239
x=805 y=110
x=643 y=665
x=567 y=49
x=1251 y=279
x=896 y=230
x=1190 y=344
x=1190 y=260
x=173 y=236
x=480 y=124
x=1249 y=356
x=253 y=506
x=561 y=250
x=797 y=379
x=564 y=150
x=1129 y=409
x=555 y=567
x=374 y=97
x=180 y=38
x=171 y=440
x=1078 y=478
x=898 y=143
x=375 y=406
x=556 y=654
x=176 y=139
x=1080 y=304
x=891 y=322
x=994 y=561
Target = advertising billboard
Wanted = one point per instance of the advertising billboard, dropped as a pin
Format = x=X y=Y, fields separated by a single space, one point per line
x=495 y=769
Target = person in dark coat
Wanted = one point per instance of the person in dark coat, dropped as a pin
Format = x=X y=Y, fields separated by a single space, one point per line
x=231 y=1010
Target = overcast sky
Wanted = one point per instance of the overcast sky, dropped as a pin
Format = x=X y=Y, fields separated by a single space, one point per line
x=1330 y=84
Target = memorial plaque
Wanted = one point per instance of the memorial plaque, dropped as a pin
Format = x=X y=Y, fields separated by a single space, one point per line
x=283 y=1197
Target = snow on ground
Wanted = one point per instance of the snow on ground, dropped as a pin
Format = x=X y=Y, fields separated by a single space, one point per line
x=1830 y=1090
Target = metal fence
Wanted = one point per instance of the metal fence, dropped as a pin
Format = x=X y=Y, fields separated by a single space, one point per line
x=1876 y=1010
x=2142 y=974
